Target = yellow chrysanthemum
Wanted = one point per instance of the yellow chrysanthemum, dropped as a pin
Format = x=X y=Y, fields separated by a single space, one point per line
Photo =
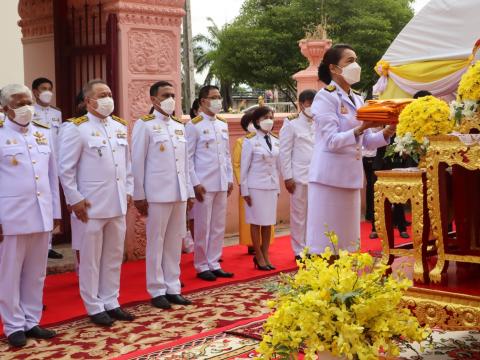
x=424 y=117
x=469 y=87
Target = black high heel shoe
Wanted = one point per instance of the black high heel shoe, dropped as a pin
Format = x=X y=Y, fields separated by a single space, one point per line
x=256 y=265
x=271 y=267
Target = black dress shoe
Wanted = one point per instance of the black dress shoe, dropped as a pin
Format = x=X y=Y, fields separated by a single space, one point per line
x=404 y=235
x=177 y=299
x=40 y=333
x=161 y=302
x=207 y=275
x=222 y=274
x=120 y=314
x=52 y=254
x=102 y=319
x=17 y=339
x=373 y=235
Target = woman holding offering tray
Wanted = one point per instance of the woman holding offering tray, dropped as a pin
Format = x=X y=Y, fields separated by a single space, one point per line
x=336 y=172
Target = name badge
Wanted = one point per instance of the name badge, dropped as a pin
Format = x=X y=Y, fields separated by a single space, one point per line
x=343 y=110
x=178 y=132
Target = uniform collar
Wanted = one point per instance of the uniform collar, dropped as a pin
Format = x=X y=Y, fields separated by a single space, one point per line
x=17 y=128
x=344 y=95
x=160 y=116
x=41 y=108
x=304 y=118
x=208 y=117
x=97 y=119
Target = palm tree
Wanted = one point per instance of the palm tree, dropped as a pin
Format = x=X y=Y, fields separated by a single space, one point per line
x=204 y=56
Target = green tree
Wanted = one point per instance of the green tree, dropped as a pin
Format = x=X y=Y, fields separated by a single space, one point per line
x=260 y=47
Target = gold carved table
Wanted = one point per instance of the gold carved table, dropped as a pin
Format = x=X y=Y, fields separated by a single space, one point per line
x=398 y=187
x=459 y=191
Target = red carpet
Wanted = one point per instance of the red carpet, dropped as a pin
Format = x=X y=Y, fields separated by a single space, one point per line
x=63 y=301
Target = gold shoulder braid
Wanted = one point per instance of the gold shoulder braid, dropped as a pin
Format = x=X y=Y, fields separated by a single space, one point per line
x=250 y=135
x=40 y=124
x=120 y=120
x=80 y=120
x=274 y=135
x=148 y=117
x=221 y=118
x=177 y=120
x=1 y=123
x=69 y=120
x=330 y=88
x=197 y=119
x=292 y=116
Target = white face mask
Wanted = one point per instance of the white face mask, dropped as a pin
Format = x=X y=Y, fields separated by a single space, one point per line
x=352 y=73
x=308 y=112
x=251 y=128
x=168 y=105
x=105 y=106
x=215 y=106
x=45 y=97
x=24 y=114
x=266 y=125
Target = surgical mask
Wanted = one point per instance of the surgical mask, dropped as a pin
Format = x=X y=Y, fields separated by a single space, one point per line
x=215 y=106
x=23 y=114
x=266 y=125
x=308 y=112
x=251 y=128
x=352 y=73
x=45 y=97
x=168 y=105
x=105 y=106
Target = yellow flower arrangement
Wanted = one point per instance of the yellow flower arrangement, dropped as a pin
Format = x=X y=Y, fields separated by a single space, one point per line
x=343 y=304
x=469 y=87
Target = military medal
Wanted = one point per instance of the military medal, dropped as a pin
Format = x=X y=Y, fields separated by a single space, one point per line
x=178 y=132
x=162 y=147
x=14 y=161
x=41 y=140
x=343 y=110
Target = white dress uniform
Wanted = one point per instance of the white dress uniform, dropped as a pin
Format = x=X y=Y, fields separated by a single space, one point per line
x=210 y=165
x=336 y=170
x=296 y=147
x=52 y=117
x=95 y=165
x=161 y=173
x=29 y=201
x=259 y=178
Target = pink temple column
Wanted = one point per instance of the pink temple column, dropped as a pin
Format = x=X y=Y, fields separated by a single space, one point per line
x=313 y=50
x=149 y=50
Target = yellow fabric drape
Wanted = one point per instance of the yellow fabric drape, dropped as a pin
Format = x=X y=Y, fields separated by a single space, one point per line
x=243 y=227
x=428 y=71
x=394 y=92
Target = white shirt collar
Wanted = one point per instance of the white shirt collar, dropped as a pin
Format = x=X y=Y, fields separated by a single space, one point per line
x=17 y=128
x=208 y=117
x=94 y=118
x=159 y=115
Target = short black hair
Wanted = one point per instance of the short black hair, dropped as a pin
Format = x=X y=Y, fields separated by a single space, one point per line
x=422 y=93
x=332 y=56
x=159 y=84
x=246 y=119
x=39 y=81
x=205 y=90
x=90 y=84
x=306 y=95
x=258 y=113
x=194 y=108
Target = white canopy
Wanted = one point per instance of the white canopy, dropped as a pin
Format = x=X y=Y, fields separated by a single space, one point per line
x=442 y=30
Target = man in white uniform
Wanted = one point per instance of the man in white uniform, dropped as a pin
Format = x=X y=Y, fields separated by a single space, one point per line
x=212 y=178
x=296 y=147
x=162 y=189
x=29 y=201
x=51 y=116
x=95 y=171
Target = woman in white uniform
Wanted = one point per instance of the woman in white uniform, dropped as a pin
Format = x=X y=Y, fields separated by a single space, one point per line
x=336 y=172
x=259 y=183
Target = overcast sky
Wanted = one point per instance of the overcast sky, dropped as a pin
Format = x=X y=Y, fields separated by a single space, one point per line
x=11 y=70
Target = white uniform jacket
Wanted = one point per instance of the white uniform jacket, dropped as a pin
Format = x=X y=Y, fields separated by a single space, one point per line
x=209 y=153
x=94 y=163
x=52 y=117
x=296 y=148
x=160 y=160
x=29 y=192
x=337 y=155
x=260 y=165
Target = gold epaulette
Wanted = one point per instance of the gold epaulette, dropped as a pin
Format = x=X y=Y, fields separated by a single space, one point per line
x=330 y=88
x=292 y=116
x=274 y=135
x=250 y=135
x=221 y=118
x=40 y=124
x=1 y=123
x=148 y=117
x=69 y=120
x=80 y=120
x=357 y=92
x=197 y=119
x=177 y=120
x=120 y=120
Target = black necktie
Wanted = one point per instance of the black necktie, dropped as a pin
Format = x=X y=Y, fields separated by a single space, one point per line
x=269 y=144
x=351 y=99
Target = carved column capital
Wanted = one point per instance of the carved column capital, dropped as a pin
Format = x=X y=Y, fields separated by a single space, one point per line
x=36 y=18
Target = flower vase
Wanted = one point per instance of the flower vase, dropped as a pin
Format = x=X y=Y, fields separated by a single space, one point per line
x=327 y=355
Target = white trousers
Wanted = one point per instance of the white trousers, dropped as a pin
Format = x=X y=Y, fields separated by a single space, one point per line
x=101 y=256
x=23 y=266
x=210 y=218
x=165 y=233
x=298 y=217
